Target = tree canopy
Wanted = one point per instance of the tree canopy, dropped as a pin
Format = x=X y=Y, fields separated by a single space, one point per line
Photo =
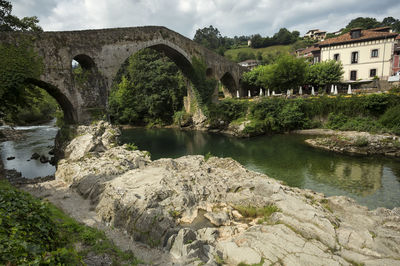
x=370 y=23
x=209 y=37
x=149 y=90
x=21 y=101
x=8 y=22
x=289 y=72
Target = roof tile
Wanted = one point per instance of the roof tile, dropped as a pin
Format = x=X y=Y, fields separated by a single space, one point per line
x=365 y=35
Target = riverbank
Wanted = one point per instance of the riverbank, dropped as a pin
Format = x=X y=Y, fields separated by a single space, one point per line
x=353 y=142
x=214 y=210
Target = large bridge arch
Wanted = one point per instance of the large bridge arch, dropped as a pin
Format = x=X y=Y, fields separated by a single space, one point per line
x=69 y=111
x=105 y=51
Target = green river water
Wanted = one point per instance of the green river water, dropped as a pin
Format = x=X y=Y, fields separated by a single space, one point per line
x=371 y=181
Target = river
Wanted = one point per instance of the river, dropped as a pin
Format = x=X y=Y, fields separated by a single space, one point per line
x=39 y=139
x=371 y=181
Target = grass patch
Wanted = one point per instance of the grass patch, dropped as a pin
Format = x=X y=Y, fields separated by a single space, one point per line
x=257 y=212
x=34 y=232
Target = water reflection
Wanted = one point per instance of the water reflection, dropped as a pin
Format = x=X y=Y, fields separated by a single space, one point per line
x=372 y=181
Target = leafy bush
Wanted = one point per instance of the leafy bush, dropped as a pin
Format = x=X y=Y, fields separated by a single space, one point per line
x=33 y=232
x=376 y=104
x=27 y=232
x=227 y=110
x=391 y=119
x=361 y=141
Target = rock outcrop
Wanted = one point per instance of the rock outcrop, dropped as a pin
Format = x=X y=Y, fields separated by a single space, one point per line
x=360 y=143
x=216 y=211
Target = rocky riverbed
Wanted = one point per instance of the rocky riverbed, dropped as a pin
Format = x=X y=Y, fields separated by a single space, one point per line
x=192 y=211
x=353 y=142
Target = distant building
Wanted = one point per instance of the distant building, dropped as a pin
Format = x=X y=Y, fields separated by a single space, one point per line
x=250 y=64
x=312 y=54
x=364 y=54
x=249 y=43
x=315 y=35
x=396 y=58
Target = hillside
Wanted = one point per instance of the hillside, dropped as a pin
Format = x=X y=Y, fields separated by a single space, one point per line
x=266 y=52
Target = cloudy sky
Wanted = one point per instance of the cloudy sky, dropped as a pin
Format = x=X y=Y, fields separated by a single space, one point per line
x=231 y=17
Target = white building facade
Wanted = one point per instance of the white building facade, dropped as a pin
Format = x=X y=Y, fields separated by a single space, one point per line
x=364 y=54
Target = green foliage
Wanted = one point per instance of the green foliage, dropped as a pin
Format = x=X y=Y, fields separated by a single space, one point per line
x=255 y=212
x=283 y=36
x=243 y=56
x=361 y=141
x=287 y=73
x=38 y=107
x=131 y=147
x=227 y=110
x=9 y=22
x=324 y=73
x=391 y=119
x=27 y=232
x=149 y=89
x=209 y=37
x=203 y=85
x=33 y=232
x=207 y=156
x=372 y=113
x=18 y=63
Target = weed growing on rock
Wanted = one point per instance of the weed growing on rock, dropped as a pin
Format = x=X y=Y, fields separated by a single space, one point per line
x=208 y=156
x=131 y=147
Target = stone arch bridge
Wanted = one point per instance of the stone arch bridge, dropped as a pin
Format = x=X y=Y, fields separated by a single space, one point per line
x=101 y=53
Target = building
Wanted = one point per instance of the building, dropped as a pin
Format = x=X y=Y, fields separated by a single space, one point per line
x=315 y=34
x=250 y=64
x=396 y=58
x=364 y=54
x=312 y=54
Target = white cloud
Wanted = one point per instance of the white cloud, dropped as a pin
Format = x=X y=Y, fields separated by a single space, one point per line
x=243 y=17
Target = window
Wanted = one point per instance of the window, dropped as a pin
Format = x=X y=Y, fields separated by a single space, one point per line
x=372 y=72
x=336 y=57
x=353 y=75
x=355 y=34
x=374 y=53
x=354 y=57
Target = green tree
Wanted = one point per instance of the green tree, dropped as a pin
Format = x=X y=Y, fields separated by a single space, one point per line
x=392 y=22
x=209 y=37
x=8 y=22
x=288 y=73
x=149 y=90
x=21 y=101
x=324 y=73
x=363 y=23
x=283 y=36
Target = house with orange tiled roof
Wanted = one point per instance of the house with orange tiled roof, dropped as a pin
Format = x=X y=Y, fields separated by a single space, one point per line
x=364 y=54
x=312 y=53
